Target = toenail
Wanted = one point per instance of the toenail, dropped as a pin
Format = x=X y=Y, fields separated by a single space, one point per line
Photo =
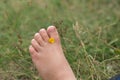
x=30 y=46
x=36 y=34
x=51 y=28
x=42 y=29
x=32 y=40
x=51 y=40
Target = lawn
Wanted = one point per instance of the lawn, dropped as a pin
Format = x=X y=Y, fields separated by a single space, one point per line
x=89 y=31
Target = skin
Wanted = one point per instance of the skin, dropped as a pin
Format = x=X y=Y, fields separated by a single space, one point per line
x=48 y=57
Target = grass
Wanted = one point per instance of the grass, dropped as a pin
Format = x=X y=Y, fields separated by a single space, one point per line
x=89 y=31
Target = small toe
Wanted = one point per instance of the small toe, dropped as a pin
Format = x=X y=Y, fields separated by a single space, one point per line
x=32 y=50
x=52 y=32
x=44 y=35
x=34 y=54
x=39 y=39
x=35 y=45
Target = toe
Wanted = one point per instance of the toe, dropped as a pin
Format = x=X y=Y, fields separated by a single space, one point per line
x=35 y=45
x=52 y=32
x=32 y=50
x=44 y=35
x=34 y=54
x=39 y=39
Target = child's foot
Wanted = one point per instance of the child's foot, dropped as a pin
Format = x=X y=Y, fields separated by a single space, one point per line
x=48 y=57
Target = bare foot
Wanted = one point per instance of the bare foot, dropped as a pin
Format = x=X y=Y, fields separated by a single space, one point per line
x=48 y=57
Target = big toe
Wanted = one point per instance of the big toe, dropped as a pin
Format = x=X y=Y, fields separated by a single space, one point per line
x=53 y=33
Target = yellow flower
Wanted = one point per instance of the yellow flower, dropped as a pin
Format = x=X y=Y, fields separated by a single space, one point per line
x=51 y=40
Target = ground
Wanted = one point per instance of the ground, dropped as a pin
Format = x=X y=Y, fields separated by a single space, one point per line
x=89 y=32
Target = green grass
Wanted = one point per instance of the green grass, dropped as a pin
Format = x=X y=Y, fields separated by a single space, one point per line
x=89 y=31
